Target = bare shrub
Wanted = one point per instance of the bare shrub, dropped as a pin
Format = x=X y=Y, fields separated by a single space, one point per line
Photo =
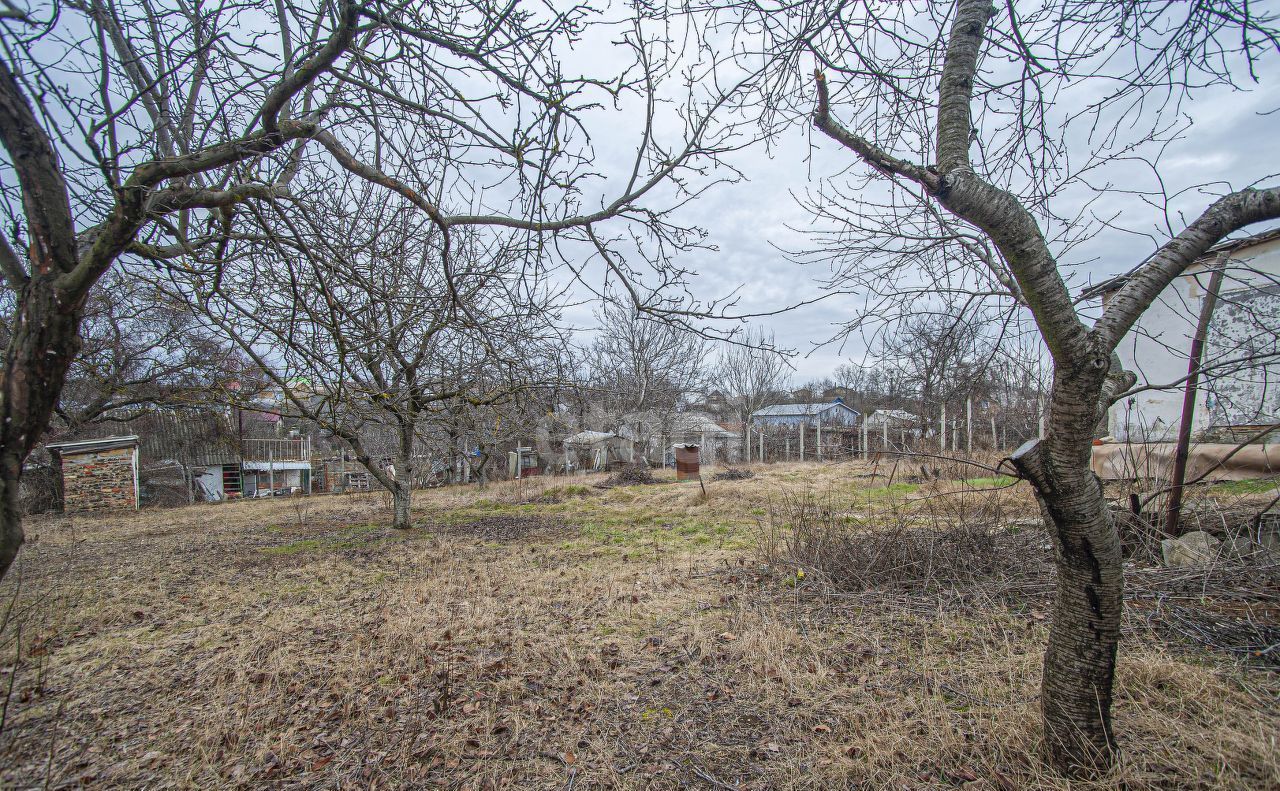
x=41 y=489
x=301 y=507
x=1139 y=538
x=1234 y=510
x=922 y=549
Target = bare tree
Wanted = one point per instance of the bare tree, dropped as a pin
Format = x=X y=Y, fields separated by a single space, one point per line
x=149 y=132
x=352 y=317
x=879 y=383
x=751 y=373
x=642 y=369
x=482 y=430
x=938 y=352
x=141 y=351
x=973 y=123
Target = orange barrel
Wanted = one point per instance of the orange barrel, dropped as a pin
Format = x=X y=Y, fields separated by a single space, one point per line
x=687 y=462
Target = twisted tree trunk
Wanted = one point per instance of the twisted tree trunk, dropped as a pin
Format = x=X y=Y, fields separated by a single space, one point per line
x=1079 y=665
x=1080 y=659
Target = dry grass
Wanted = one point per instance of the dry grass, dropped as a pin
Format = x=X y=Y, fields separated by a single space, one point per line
x=549 y=634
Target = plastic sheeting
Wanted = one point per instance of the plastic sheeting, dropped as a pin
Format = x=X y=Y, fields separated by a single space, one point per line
x=1127 y=461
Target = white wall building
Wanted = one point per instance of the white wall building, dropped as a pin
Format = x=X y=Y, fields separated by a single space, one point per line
x=1240 y=388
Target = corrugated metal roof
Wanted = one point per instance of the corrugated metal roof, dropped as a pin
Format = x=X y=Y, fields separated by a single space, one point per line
x=792 y=410
x=189 y=437
x=588 y=437
x=199 y=437
x=697 y=423
x=1225 y=246
x=93 y=445
x=892 y=414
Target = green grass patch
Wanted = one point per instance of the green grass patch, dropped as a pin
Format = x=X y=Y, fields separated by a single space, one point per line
x=989 y=483
x=892 y=490
x=564 y=492
x=1245 y=487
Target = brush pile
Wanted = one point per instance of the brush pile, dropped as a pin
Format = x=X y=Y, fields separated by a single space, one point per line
x=630 y=475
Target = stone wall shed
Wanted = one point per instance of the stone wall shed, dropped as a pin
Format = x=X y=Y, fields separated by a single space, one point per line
x=98 y=474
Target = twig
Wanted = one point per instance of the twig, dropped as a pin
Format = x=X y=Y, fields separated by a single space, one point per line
x=710 y=779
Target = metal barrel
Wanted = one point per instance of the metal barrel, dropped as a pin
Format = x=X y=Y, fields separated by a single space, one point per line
x=687 y=462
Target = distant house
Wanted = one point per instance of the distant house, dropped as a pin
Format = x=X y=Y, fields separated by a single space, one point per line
x=1232 y=400
x=597 y=450
x=803 y=395
x=897 y=423
x=184 y=455
x=713 y=402
x=835 y=413
x=894 y=418
x=718 y=443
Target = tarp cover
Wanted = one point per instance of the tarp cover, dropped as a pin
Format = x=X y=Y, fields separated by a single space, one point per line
x=1126 y=461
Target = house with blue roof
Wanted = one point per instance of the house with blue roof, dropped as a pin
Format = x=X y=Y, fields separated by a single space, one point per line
x=833 y=413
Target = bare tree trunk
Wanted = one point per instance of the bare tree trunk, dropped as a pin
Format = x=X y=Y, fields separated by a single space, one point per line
x=11 y=536
x=401 y=495
x=402 y=489
x=1080 y=660
x=43 y=342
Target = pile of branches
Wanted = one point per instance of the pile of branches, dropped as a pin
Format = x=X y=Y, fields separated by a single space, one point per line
x=733 y=474
x=630 y=475
x=1229 y=605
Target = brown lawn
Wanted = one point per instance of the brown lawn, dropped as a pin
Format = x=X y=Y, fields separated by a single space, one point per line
x=551 y=634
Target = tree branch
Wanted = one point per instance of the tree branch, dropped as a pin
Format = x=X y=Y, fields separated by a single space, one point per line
x=1227 y=214
x=870 y=153
x=44 y=190
x=311 y=68
x=955 y=88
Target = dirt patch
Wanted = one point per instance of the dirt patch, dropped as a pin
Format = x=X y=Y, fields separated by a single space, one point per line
x=503 y=528
x=732 y=474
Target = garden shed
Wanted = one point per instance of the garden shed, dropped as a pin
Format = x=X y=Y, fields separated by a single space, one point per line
x=98 y=474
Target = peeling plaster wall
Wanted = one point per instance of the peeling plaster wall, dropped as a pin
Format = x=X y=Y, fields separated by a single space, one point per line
x=1245 y=323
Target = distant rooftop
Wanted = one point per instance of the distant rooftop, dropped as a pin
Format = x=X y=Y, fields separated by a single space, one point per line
x=894 y=414
x=588 y=437
x=791 y=410
x=1225 y=246
x=93 y=445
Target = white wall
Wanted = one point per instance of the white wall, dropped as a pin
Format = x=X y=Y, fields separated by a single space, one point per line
x=1245 y=322
x=209 y=479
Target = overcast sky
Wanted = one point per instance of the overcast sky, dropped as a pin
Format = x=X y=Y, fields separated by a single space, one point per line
x=1232 y=142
